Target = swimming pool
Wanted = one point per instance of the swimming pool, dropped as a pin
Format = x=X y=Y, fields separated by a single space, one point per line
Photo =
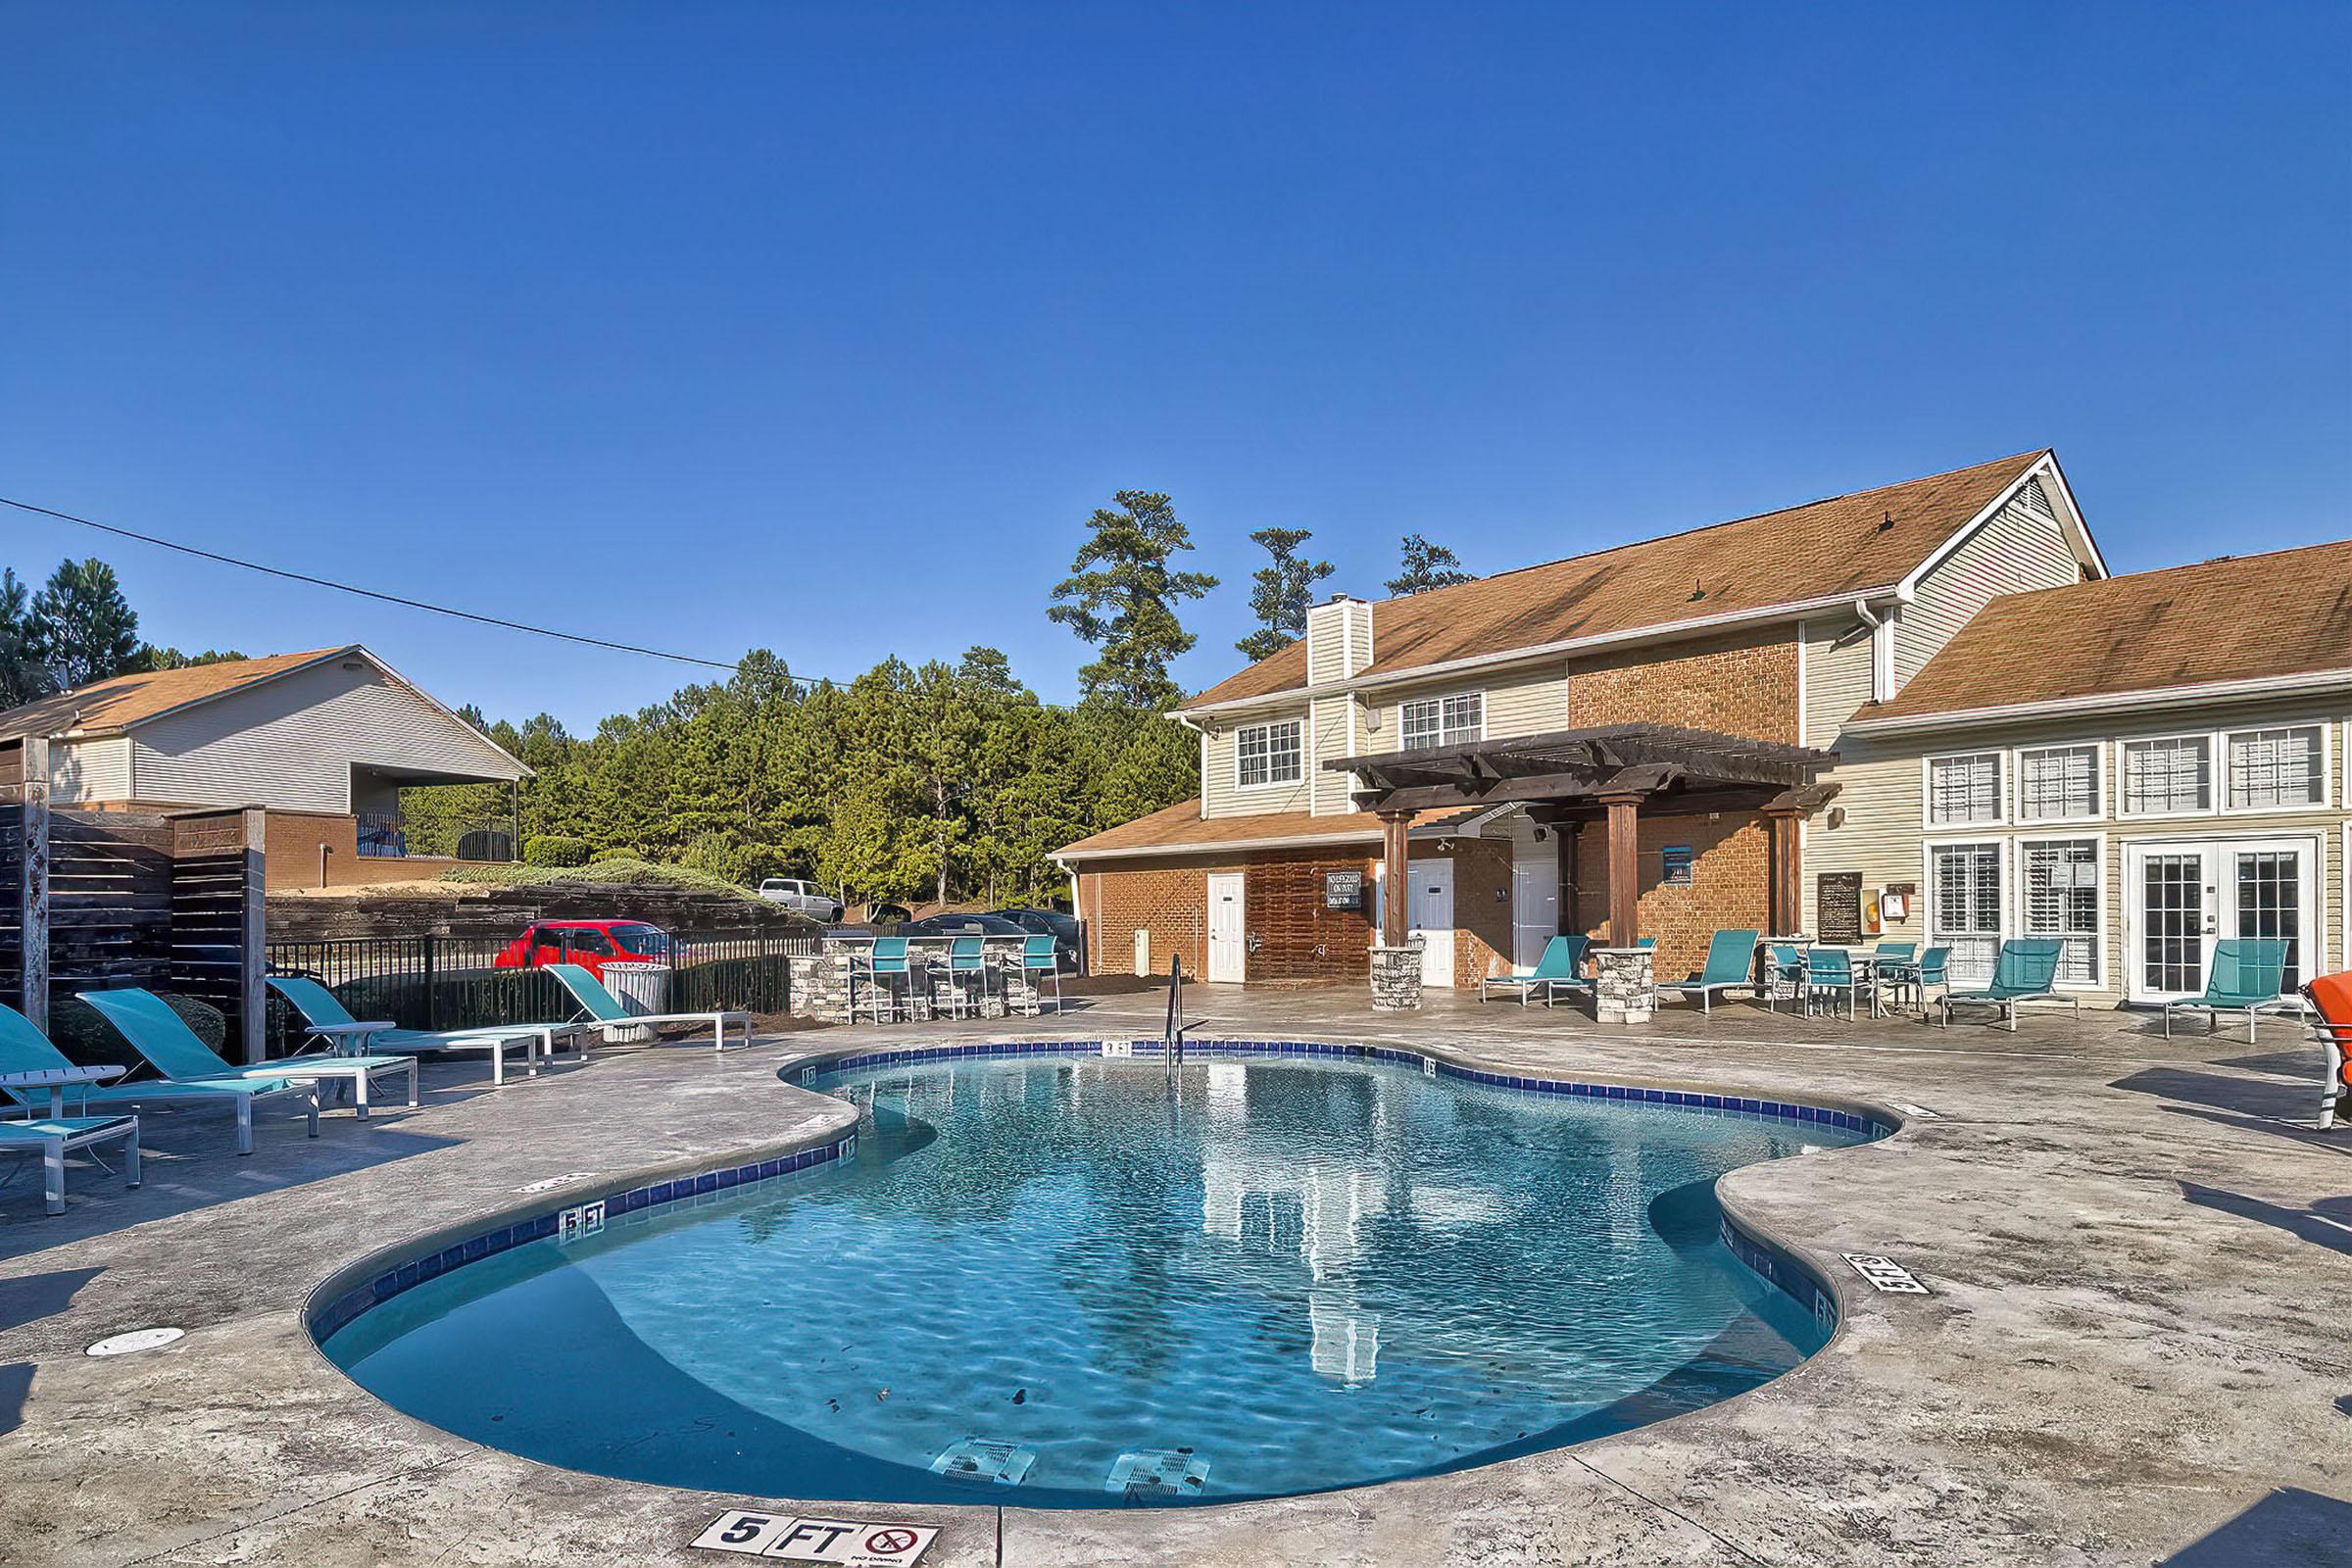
x=1050 y=1280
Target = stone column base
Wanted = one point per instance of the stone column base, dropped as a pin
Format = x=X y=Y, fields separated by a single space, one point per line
x=1395 y=979
x=1624 y=987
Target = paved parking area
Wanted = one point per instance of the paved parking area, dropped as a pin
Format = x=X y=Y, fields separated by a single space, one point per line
x=2139 y=1261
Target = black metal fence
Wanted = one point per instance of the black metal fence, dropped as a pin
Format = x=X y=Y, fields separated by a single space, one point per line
x=439 y=982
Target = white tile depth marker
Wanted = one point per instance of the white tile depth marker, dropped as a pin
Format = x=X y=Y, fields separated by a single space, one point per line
x=840 y=1542
x=1885 y=1273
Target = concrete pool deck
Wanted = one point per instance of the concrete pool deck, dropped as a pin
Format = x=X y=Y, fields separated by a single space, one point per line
x=2135 y=1349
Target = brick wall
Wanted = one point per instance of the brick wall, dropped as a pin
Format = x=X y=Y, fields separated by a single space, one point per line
x=1744 y=685
x=1728 y=889
x=1171 y=901
x=1482 y=910
x=1284 y=913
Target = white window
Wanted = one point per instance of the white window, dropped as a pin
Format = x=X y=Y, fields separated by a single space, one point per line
x=2058 y=784
x=1454 y=720
x=2168 y=777
x=2059 y=892
x=1267 y=753
x=1965 y=790
x=1964 y=907
x=2272 y=768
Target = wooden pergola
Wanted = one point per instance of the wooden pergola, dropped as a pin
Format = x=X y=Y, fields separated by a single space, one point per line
x=1609 y=773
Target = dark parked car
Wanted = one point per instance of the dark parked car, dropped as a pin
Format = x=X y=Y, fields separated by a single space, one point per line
x=1064 y=929
x=960 y=925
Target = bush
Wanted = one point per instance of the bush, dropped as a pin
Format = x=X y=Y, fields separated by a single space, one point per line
x=85 y=1037
x=555 y=848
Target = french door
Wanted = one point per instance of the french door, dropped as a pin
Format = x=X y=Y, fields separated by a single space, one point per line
x=2184 y=897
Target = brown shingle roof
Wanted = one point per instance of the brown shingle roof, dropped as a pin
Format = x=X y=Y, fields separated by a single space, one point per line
x=1181 y=828
x=1787 y=557
x=2243 y=617
x=107 y=706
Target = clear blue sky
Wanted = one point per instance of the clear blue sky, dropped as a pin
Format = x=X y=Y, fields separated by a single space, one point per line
x=823 y=328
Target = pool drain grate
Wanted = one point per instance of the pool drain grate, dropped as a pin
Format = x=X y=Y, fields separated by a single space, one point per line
x=983 y=1462
x=1158 y=1473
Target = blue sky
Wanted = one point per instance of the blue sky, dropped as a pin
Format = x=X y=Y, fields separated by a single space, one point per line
x=824 y=327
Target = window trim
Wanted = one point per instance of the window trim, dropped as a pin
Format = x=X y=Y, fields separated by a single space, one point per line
x=2101 y=974
x=2098 y=786
x=2003 y=850
x=2223 y=767
x=2000 y=792
x=2215 y=788
x=1269 y=783
x=1441 y=699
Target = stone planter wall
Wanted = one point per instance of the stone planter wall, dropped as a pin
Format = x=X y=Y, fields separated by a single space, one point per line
x=1395 y=979
x=1625 y=989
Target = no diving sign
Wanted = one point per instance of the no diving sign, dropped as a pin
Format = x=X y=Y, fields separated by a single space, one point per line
x=844 y=1543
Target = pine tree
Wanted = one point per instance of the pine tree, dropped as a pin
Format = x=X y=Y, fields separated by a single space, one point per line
x=1121 y=596
x=86 y=629
x=1427 y=567
x=23 y=675
x=1280 y=592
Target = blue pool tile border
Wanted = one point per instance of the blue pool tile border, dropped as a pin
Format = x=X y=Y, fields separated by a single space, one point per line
x=327 y=1320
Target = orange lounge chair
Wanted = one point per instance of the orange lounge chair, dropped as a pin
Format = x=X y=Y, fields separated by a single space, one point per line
x=2331 y=994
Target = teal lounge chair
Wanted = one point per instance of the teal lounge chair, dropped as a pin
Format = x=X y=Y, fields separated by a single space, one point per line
x=2248 y=974
x=1731 y=965
x=601 y=1010
x=327 y=1020
x=1556 y=966
x=2027 y=970
x=24 y=1050
x=170 y=1046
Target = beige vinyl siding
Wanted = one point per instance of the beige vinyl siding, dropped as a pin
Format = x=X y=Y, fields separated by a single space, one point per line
x=1882 y=835
x=1359 y=641
x=291 y=742
x=89 y=771
x=1836 y=677
x=1219 y=793
x=1339 y=640
x=1519 y=702
x=2019 y=549
x=1327 y=789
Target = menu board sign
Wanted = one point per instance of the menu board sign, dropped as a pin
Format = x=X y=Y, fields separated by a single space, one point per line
x=1839 y=900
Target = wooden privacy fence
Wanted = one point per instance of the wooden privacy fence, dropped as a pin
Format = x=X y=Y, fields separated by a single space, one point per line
x=91 y=901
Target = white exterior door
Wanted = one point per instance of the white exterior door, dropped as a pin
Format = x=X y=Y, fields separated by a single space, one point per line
x=2183 y=897
x=1226 y=944
x=1428 y=919
x=1535 y=903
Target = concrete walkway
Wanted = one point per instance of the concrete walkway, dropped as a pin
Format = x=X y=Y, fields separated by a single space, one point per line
x=2134 y=1349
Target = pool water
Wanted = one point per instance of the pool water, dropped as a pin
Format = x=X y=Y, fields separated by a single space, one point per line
x=1052 y=1280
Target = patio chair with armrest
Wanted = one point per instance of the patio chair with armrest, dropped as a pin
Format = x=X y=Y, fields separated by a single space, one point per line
x=25 y=1049
x=1556 y=965
x=2248 y=974
x=1731 y=965
x=2027 y=970
x=163 y=1037
x=2330 y=997
x=1784 y=965
x=601 y=1010
x=1912 y=977
x=1829 y=974
x=325 y=1019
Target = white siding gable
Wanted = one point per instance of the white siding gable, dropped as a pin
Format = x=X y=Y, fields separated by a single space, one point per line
x=2019 y=548
x=291 y=742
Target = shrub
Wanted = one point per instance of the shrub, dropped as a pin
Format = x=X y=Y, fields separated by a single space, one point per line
x=82 y=1035
x=555 y=848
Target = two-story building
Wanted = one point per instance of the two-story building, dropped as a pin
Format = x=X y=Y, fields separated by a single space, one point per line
x=1634 y=741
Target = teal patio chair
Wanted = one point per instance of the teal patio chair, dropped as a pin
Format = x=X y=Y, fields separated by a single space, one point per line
x=163 y=1037
x=602 y=1010
x=1557 y=965
x=1784 y=965
x=1829 y=974
x=1932 y=968
x=1887 y=959
x=25 y=1049
x=889 y=979
x=962 y=977
x=2027 y=970
x=1038 y=957
x=2248 y=974
x=327 y=1020
x=1731 y=965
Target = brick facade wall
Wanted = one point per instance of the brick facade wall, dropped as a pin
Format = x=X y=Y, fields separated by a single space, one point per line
x=1726 y=892
x=1744 y=685
x=1284 y=914
x=1482 y=910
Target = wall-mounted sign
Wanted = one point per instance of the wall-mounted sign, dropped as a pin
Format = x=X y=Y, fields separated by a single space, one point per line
x=1681 y=870
x=1343 y=890
x=1838 y=901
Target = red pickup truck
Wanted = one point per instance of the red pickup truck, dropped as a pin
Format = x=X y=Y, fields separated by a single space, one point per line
x=590 y=944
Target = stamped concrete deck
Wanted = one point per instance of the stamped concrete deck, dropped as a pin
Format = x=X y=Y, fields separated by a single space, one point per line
x=2134 y=1350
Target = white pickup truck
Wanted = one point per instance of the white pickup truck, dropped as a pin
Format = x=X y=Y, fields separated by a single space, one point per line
x=801 y=898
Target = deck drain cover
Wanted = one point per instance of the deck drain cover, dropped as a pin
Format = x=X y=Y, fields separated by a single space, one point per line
x=137 y=1339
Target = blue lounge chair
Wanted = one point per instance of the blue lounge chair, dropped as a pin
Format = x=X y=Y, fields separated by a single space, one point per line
x=2027 y=970
x=1556 y=966
x=1829 y=974
x=325 y=1019
x=147 y=1022
x=889 y=979
x=2248 y=974
x=25 y=1049
x=601 y=1010
x=1731 y=965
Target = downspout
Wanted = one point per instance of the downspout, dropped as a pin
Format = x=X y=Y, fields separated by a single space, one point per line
x=1178 y=714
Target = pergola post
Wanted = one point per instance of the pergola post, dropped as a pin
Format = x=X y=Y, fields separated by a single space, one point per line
x=1783 y=900
x=1624 y=808
x=1564 y=836
x=1394 y=853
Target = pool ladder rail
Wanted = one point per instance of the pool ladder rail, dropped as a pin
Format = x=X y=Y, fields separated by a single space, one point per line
x=1172 y=1040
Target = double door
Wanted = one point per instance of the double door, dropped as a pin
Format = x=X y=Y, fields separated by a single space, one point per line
x=2182 y=897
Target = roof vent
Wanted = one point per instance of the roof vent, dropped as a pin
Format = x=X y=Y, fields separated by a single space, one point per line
x=1886 y=523
x=1698 y=591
